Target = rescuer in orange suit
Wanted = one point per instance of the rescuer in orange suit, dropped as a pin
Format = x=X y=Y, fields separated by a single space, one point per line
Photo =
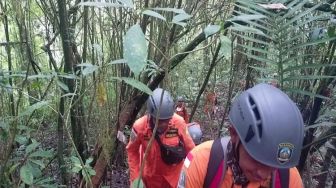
x=181 y=109
x=162 y=168
x=266 y=134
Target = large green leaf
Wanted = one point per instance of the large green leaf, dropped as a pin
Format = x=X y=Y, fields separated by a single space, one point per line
x=241 y=28
x=42 y=153
x=247 y=17
x=178 y=11
x=180 y=17
x=127 y=3
x=88 y=68
x=135 y=83
x=309 y=77
x=154 y=14
x=135 y=49
x=211 y=29
x=100 y=4
x=226 y=48
x=26 y=174
x=305 y=66
x=34 y=107
x=32 y=146
x=308 y=93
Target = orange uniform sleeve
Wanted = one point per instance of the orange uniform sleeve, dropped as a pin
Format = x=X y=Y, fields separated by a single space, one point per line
x=195 y=166
x=133 y=153
x=189 y=143
x=295 y=180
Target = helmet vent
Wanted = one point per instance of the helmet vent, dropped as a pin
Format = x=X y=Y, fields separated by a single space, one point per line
x=256 y=115
x=154 y=105
x=249 y=134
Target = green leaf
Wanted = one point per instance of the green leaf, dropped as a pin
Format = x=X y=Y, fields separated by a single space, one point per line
x=21 y=139
x=323 y=124
x=63 y=86
x=42 y=153
x=75 y=160
x=246 y=17
x=69 y=95
x=135 y=49
x=135 y=83
x=313 y=95
x=127 y=3
x=251 y=7
x=76 y=169
x=39 y=76
x=26 y=174
x=309 y=77
x=181 y=24
x=154 y=14
x=32 y=146
x=37 y=162
x=331 y=31
x=100 y=4
x=211 y=29
x=241 y=28
x=35 y=169
x=88 y=161
x=305 y=66
x=90 y=171
x=180 y=17
x=138 y=183
x=178 y=11
x=34 y=107
x=68 y=76
x=225 y=48
x=89 y=69
x=118 y=61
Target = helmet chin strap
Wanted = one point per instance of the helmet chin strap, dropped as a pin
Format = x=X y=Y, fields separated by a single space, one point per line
x=152 y=125
x=236 y=149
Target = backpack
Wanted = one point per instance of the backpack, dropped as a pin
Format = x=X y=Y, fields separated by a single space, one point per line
x=171 y=154
x=217 y=167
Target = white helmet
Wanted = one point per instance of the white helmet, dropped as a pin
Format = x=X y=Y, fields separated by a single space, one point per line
x=269 y=125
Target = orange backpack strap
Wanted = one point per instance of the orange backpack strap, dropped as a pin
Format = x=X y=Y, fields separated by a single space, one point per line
x=217 y=163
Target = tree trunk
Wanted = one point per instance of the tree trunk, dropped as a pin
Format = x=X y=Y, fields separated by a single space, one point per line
x=76 y=111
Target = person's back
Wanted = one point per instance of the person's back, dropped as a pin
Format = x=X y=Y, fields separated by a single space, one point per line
x=266 y=135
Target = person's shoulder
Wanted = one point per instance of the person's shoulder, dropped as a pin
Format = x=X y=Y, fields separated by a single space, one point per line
x=178 y=120
x=295 y=179
x=294 y=172
x=203 y=149
x=141 y=123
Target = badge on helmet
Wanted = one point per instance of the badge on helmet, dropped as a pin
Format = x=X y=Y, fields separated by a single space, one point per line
x=285 y=151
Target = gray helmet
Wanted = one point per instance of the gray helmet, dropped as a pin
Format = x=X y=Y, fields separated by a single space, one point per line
x=195 y=132
x=167 y=106
x=269 y=125
x=180 y=99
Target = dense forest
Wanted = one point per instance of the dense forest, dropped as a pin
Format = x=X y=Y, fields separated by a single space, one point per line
x=75 y=75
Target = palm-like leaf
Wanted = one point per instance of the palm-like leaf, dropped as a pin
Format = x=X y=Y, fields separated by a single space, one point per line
x=279 y=41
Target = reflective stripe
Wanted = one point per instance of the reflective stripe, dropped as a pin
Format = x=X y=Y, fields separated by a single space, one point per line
x=188 y=160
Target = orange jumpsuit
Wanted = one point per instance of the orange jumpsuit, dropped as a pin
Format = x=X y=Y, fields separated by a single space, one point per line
x=196 y=164
x=182 y=111
x=210 y=102
x=156 y=174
